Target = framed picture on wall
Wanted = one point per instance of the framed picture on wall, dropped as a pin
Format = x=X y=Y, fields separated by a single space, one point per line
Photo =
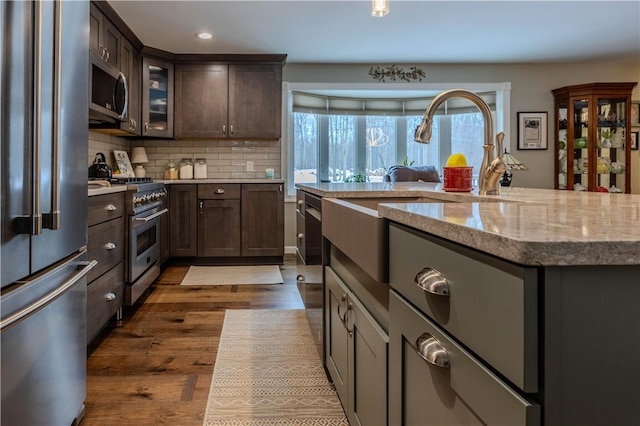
x=532 y=130
x=635 y=113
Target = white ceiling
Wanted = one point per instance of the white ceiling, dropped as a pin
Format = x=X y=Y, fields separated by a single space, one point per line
x=418 y=31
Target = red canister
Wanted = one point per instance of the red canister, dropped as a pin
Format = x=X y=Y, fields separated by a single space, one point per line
x=458 y=179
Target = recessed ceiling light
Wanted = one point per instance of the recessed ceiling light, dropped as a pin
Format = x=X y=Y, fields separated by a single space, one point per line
x=204 y=36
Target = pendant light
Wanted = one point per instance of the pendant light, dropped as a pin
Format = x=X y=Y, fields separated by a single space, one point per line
x=379 y=8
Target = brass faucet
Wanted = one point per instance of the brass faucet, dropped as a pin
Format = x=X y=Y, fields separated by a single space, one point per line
x=491 y=169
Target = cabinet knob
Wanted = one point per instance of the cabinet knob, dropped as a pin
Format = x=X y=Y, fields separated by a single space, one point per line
x=432 y=351
x=432 y=281
x=219 y=191
x=111 y=208
x=300 y=202
x=110 y=246
x=300 y=235
x=110 y=296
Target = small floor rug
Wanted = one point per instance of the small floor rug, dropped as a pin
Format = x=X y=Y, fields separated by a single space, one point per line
x=232 y=275
x=268 y=372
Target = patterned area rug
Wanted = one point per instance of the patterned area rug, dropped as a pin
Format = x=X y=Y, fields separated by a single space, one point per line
x=268 y=372
x=232 y=275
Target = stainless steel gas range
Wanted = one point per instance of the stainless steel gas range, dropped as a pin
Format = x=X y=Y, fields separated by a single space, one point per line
x=144 y=201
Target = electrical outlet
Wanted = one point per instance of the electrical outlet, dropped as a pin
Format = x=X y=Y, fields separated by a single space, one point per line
x=249 y=166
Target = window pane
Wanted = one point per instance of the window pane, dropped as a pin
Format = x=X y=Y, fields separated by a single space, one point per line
x=305 y=150
x=467 y=137
x=342 y=147
x=422 y=154
x=381 y=145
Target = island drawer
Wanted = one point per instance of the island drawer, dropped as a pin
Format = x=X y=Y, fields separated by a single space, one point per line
x=489 y=305
x=105 y=207
x=104 y=297
x=221 y=191
x=106 y=245
x=450 y=388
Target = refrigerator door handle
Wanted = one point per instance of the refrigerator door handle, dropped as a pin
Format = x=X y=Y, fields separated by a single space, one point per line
x=86 y=267
x=51 y=220
x=37 y=122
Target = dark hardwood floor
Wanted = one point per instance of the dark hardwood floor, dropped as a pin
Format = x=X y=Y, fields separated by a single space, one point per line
x=156 y=366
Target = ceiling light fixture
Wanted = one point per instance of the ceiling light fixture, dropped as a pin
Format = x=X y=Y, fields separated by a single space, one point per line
x=204 y=36
x=379 y=8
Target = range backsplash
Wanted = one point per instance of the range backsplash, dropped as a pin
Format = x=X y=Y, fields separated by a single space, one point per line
x=226 y=159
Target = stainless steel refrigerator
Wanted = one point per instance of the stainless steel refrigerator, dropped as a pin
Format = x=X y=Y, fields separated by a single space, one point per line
x=43 y=121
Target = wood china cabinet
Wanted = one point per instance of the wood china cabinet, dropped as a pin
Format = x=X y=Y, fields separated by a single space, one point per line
x=228 y=100
x=592 y=137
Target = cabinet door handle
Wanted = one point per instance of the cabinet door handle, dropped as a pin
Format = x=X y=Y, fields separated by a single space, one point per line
x=231 y=130
x=135 y=123
x=108 y=55
x=111 y=207
x=342 y=300
x=224 y=129
x=432 y=281
x=146 y=127
x=219 y=191
x=110 y=296
x=110 y=246
x=432 y=351
x=101 y=49
x=346 y=320
x=201 y=206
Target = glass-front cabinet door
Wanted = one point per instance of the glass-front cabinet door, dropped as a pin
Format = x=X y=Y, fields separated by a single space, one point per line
x=157 y=98
x=592 y=139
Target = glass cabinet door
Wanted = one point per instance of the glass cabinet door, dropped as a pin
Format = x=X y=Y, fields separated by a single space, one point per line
x=581 y=144
x=611 y=145
x=157 y=108
x=563 y=150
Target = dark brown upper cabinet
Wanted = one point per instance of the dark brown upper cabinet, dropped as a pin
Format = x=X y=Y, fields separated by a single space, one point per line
x=104 y=37
x=228 y=101
x=157 y=98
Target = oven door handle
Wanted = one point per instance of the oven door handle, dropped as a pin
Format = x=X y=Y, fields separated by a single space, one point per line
x=151 y=217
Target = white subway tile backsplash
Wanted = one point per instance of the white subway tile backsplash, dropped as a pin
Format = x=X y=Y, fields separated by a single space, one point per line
x=226 y=159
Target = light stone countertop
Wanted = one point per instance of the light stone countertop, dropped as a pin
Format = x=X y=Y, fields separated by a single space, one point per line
x=524 y=225
x=102 y=190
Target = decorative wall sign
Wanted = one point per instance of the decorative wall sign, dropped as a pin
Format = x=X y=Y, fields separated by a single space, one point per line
x=394 y=73
x=124 y=165
x=532 y=130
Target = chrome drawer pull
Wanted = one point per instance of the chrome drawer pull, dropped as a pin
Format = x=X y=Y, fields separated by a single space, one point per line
x=111 y=207
x=219 y=191
x=110 y=246
x=110 y=296
x=432 y=281
x=432 y=351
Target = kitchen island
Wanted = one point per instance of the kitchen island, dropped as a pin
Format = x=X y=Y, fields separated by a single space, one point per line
x=540 y=318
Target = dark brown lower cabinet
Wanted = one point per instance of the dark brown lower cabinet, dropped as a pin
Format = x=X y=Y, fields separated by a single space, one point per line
x=227 y=220
x=183 y=220
x=263 y=219
x=218 y=228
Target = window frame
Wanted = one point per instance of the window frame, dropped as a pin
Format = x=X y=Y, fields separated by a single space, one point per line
x=501 y=118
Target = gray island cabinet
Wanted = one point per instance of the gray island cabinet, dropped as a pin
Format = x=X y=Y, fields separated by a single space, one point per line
x=517 y=309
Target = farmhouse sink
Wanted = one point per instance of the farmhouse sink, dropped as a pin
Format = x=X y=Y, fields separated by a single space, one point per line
x=355 y=228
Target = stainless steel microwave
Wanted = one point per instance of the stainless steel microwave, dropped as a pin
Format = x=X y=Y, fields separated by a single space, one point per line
x=108 y=94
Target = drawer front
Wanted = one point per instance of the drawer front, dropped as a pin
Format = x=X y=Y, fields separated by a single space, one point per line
x=491 y=306
x=223 y=191
x=463 y=392
x=106 y=245
x=300 y=236
x=105 y=207
x=300 y=204
x=104 y=298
